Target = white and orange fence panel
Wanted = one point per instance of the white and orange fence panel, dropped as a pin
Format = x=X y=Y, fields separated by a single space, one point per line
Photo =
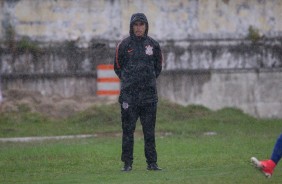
x=108 y=83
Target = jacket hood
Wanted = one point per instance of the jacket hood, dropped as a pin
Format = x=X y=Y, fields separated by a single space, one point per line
x=138 y=17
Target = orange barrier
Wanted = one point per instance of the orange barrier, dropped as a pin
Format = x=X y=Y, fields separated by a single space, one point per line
x=108 y=82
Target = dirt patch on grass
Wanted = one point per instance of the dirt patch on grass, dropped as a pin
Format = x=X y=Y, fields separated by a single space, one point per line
x=55 y=106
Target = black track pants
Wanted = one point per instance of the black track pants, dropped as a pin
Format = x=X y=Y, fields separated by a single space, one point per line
x=129 y=116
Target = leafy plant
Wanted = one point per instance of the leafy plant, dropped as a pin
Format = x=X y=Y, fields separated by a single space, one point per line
x=25 y=44
x=253 y=34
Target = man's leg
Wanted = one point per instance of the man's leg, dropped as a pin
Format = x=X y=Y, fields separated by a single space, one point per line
x=277 y=151
x=148 y=121
x=129 y=116
x=268 y=166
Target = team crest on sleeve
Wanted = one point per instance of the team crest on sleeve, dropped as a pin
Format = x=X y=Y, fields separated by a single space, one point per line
x=149 y=50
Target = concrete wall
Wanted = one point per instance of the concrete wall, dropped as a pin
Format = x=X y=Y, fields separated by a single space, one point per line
x=256 y=92
x=205 y=37
x=83 y=20
x=193 y=54
x=66 y=86
x=213 y=73
x=64 y=58
x=222 y=54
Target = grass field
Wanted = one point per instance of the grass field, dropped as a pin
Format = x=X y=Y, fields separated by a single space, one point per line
x=188 y=152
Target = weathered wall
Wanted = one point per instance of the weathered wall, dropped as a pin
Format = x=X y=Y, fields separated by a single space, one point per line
x=222 y=54
x=64 y=58
x=69 y=71
x=215 y=73
x=200 y=54
x=83 y=20
x=196 y=35
x=63 y=86
x=256 y=92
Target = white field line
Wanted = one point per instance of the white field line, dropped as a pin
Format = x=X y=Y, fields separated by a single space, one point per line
x=29 y=139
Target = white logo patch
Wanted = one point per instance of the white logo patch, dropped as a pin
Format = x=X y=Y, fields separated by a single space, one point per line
x=125 y=105
x=149 y=50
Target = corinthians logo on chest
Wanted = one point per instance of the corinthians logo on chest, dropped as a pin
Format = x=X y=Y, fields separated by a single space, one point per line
x=149 y=50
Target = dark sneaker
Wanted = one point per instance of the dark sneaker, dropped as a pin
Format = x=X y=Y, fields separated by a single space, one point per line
x=153 y=167
x=127 y=167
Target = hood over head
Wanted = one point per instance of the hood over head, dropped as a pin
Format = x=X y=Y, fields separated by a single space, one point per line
x=138 y=17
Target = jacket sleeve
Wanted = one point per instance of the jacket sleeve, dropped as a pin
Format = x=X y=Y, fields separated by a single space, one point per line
x=118 y=60
x=158 y=60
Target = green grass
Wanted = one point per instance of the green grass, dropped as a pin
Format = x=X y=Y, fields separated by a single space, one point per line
x=186 y=155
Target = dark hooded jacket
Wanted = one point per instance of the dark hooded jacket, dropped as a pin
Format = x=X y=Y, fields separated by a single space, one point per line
x=138 y=63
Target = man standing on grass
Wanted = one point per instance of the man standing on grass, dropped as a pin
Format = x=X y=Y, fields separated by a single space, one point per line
x=267 y=166
x=138 y=63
